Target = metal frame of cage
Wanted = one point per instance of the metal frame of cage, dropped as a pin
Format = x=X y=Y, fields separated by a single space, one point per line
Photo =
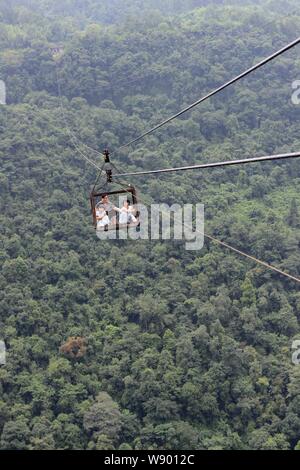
x=95 y=194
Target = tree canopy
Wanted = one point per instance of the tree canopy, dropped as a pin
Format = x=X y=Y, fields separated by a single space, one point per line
x=144 y=345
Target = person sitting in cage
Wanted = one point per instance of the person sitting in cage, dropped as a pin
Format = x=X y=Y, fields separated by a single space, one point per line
x=102 y=217
x=126 y=213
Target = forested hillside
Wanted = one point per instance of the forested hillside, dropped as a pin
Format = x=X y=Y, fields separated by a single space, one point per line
x=144 y=345
x=104 y=12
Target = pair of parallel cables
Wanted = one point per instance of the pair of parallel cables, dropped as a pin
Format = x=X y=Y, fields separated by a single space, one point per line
x=260 y=64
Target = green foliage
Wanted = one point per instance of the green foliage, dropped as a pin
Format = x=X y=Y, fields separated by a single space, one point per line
x=103 y=421
x=184 y=350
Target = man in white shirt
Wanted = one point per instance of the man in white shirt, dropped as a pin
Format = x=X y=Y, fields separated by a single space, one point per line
x=101 y=217
x=126 y=213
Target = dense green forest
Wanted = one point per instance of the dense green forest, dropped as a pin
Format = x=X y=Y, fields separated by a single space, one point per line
x=144 y=345
x=84 y=11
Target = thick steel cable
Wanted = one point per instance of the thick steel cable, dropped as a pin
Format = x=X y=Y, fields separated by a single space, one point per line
x=213 y=164
x=236 y=250
x=214 y=92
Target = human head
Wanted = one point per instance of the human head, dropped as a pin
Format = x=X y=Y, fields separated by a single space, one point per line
x=126 y=203
x=104 y=198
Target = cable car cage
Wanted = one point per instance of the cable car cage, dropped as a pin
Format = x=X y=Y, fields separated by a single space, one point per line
x=98 y=193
